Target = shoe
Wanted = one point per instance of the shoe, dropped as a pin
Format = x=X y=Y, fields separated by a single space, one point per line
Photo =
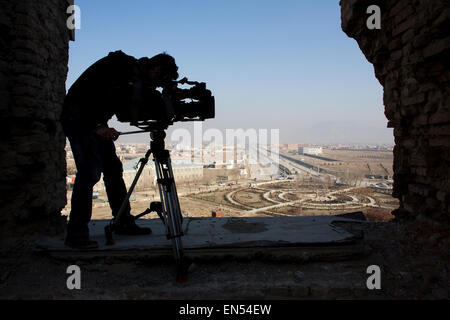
x=81 y=243
x=132 y=229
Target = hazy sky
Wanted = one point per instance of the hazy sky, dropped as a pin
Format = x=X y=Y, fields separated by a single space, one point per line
x=270 y=64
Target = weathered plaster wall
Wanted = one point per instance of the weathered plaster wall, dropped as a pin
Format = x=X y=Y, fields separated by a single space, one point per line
x=411 y=57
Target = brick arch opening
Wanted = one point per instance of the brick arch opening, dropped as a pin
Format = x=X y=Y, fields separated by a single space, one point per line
x=410 y=54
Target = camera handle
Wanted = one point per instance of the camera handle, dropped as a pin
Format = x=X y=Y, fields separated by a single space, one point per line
x=168 y=209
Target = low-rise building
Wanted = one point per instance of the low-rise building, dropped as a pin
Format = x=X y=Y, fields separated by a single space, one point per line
x=310 y=150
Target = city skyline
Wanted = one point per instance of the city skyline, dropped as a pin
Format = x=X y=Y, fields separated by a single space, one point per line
x=282 y=66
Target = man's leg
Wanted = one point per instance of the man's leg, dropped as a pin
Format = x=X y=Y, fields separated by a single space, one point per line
x=87 y=158
x=116 y=189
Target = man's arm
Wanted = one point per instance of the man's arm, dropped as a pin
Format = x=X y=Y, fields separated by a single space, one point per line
x=106 y=133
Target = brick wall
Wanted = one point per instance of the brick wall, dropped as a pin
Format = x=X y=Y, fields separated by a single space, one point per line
x=411 y=57
x=33 y=67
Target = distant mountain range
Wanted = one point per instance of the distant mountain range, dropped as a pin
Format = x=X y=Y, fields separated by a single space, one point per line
x=343 y=133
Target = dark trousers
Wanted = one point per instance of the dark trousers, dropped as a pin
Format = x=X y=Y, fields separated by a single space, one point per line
x=93 y=156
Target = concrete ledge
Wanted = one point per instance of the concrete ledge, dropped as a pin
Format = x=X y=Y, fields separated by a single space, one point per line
x=280 y=238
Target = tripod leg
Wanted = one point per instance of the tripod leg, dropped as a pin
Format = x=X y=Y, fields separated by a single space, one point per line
x=143 y=162
x=176 y=217
x=170 y=203
x=169 y=200
x=110 y=228
x=109 y=236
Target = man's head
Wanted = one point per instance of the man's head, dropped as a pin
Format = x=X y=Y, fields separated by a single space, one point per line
x=159 y=69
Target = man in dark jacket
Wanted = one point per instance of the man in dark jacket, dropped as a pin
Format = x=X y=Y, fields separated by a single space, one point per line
x=102 y=91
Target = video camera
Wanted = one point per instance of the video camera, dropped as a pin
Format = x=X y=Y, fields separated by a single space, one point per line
x=150 y=108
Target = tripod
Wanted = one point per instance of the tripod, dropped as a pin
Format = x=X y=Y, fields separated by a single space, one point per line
x=168 y=209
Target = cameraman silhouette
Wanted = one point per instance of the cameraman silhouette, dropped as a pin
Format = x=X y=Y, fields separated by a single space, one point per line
x=102 y=91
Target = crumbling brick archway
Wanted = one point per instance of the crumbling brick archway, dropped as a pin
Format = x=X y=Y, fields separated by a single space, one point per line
x=410 y=54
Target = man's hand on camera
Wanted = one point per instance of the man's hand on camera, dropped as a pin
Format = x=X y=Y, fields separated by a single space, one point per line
x=108 y=133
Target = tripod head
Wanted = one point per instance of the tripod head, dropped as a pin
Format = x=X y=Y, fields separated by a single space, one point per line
x=148 y=126
x=157 y=142
x=157 y=135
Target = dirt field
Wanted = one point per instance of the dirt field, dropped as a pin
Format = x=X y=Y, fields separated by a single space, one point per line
x=353 y=163
x=294 y=198
x=251 y=198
